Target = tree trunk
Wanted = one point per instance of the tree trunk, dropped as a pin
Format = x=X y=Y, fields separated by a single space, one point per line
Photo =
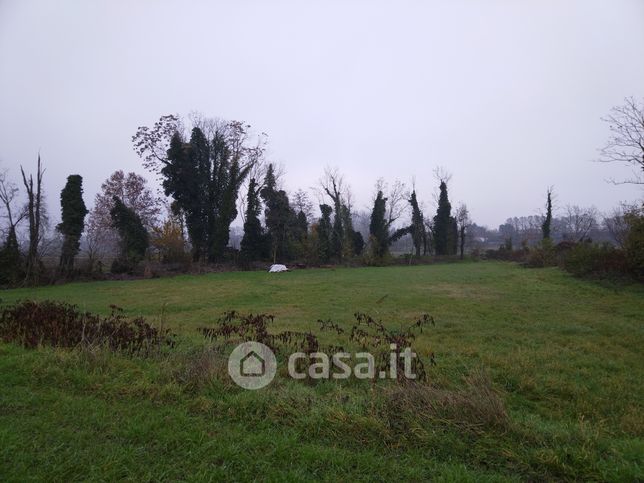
x=34 y=211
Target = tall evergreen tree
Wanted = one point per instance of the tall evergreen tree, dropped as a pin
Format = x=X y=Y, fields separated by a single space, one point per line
x=443 y=228
x=453 y=236
x=337 y=233
x=324 y=234
x=358 y=243
x=134 y=238
x=547 y=222
x=378 y=230
x=279 y=217
x=301 y=226
x=348 y=234
x=417 y=227
x=270 y=183
x=73 y=211
x=252 y=243
x=10 y=260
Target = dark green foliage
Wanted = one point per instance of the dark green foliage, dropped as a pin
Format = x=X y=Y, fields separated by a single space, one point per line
x=337 y=234
x=73 y=213
x=547 y=222
x=634 y=243
x=301 y=226
x=348 y=234
x=184 y=183
x=378 y=230
x=11 y=270
x=399 y=233
x=204 y=178
x=281 y=221
x=324 y=234
x=606 y=261
x=595 y=261
x=134 y=239
x=453 y=236
x=444 y=233
x=270 y=183
x=358 y=243
x=418 y=231
x=253 y=242
x=60 y=324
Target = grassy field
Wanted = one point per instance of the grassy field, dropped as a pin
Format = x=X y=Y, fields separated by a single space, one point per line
x=563 y=356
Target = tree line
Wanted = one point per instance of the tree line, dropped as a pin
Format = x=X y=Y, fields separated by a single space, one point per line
x=212 y=170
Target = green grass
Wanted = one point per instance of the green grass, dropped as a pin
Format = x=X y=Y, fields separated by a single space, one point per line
x=565 y=356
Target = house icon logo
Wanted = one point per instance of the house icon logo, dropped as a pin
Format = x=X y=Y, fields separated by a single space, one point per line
x=252 y=365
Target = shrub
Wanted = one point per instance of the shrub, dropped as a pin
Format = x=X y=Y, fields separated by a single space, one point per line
x=506 y=253
x=634 y=243
x=542 y=255
x=368 y=333
x=590 y=260
x=59 y=324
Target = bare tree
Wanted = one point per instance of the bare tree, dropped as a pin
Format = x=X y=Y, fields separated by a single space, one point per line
x=397 y=196
x=301 y=202
x=617 y=225
x=132 y=189
x=35 y=215
x=8 y=197
x=442 y=175
x=626 y=142
x=463 y=223
x=578 y=222
x=100 y=237
x=151 y=143
x=332 y=184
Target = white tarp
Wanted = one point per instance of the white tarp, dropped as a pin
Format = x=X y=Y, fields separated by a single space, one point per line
x=278 y=268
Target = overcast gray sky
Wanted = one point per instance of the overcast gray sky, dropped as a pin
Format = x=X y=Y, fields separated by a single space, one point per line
x=507 y=95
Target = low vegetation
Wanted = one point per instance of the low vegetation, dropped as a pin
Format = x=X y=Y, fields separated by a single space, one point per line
x=538 y=376
x=59 y=324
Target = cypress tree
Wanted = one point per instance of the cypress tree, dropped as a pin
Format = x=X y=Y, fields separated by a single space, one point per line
x=337 y=234
x=134 y=239
x=358 y=243
x=280 y=218
x=253 y=240
x=443 y=224
x=270 y=182
x=73 y=211
x=324 y=234
x=301 y=226
x=181 y=181
x=378 y=231
x=547 y=222
x=10 y=260
x=453 y=236
x=417 y=228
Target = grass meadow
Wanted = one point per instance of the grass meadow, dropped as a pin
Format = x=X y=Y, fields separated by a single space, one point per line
x=539 y=376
